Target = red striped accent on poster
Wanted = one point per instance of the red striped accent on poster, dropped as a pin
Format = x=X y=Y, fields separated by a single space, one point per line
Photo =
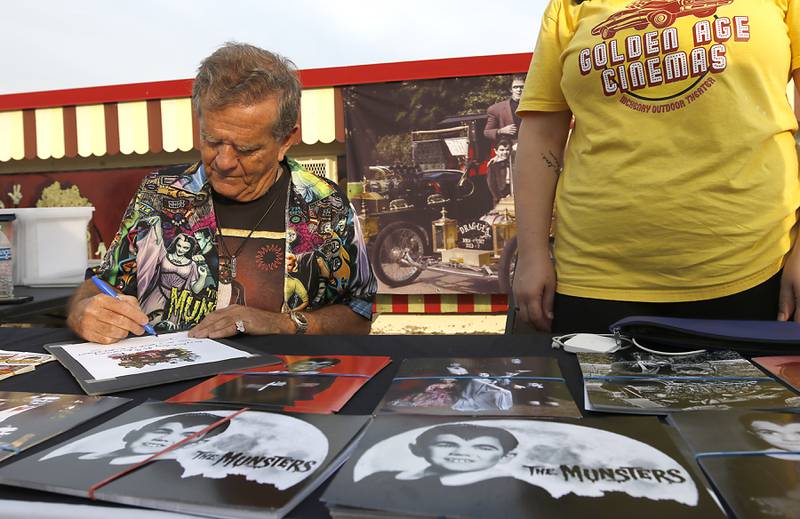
x=433 y=304
x=440 y=303
x=466 y=303
x=499 y=303
x=400 y=304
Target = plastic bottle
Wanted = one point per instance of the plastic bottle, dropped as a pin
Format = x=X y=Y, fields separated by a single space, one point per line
x=6 y=270
x=6 y=262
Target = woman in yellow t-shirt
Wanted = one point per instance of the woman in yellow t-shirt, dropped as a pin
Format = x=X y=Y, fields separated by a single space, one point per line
x=677 y=193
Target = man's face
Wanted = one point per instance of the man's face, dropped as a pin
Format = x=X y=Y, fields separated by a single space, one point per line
x=502 y=152
x=786 y=436
x=516 y=89
x=455 y=454
x=238 y=150
x=156 y=440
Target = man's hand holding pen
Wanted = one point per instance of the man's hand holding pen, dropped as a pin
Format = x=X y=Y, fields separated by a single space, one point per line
x=105 y=320
x=107 y=317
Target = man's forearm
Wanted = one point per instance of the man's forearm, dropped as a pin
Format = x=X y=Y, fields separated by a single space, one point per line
x=337 y=320
x=538 y=164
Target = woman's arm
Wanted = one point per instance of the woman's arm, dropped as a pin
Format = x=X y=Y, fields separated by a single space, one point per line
x=540 y=151
x=789 y=299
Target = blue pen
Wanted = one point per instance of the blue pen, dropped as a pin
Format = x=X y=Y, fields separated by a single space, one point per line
x=106 y=289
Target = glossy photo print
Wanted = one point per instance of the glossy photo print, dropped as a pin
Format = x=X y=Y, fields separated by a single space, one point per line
x=519 y=468
x=513 y=386
x=27 y=419
x=635 y=381
x=201 y=460
x=308 y=384
x=785 y=368
x=429 y=166
x=755 y=465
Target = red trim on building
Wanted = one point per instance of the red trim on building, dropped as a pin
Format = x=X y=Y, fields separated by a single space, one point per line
x=29 y=133
x=96 y=95
x=155 y=137
x=410 y=70
x=311 y=78
x=112 y=128
x=70 y=132
x=338 y=119
x=195 y=131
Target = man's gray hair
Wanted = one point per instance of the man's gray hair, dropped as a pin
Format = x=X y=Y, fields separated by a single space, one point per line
x=238 y=73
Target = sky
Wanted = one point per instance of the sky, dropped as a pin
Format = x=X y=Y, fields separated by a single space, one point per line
x=58 y=44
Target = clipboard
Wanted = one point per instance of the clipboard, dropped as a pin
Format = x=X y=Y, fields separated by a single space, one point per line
x=104 y=386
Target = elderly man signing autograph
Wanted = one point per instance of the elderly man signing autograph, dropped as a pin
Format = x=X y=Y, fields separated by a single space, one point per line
x=244 y=241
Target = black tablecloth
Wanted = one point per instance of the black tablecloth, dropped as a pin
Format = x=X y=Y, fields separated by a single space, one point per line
x=52 y=378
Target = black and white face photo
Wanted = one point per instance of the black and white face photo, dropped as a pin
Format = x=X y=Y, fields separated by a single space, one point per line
x=517 y=468
x=263 y=447
x=561 y=458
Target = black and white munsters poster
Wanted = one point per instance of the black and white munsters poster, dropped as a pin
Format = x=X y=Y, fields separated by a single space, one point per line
x=434 y=466
x=257 y=464
x=754 y=465
x=512 y=386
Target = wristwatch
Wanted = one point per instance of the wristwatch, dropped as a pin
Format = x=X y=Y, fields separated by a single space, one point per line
x=300 y=322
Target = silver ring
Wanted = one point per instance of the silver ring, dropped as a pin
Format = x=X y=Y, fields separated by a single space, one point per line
x=240 y=326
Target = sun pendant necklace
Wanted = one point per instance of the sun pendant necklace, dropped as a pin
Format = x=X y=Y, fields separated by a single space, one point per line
x=227 y=262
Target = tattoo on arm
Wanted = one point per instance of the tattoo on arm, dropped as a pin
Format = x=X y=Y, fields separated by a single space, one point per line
x=552 y=162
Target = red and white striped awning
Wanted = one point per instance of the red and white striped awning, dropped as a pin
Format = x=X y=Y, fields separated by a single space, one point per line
x=148 y=126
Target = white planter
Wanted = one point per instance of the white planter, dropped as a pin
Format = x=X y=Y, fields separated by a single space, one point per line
x=50 y=245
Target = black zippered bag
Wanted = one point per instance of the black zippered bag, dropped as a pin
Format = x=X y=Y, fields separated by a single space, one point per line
x=675 y=334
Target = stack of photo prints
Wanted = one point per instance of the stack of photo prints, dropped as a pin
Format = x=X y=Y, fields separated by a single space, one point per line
x=27 y=419
x=305 y=384
x=16 y=362
x=755 y=465
x=636 y=381
x=149 y=361
x=196 y=459
x=497 y=386
x=454 y=438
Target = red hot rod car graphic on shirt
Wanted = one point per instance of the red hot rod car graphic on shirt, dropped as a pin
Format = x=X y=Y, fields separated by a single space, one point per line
x=658 y=13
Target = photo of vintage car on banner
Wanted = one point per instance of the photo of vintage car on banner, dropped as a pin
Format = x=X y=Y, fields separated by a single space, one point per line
x=429 y=172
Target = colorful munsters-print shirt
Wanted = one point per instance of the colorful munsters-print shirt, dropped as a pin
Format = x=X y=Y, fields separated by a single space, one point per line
x=326 y=257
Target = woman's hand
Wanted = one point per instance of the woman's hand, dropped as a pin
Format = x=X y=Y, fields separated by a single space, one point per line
x=534 y=289
x=542 y=137
x=789 y=298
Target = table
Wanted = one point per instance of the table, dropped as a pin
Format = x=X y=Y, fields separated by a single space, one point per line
x=48 y=307
x=53 y=378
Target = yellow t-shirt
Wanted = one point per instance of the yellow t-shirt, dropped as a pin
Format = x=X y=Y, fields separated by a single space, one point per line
x=680 y=178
